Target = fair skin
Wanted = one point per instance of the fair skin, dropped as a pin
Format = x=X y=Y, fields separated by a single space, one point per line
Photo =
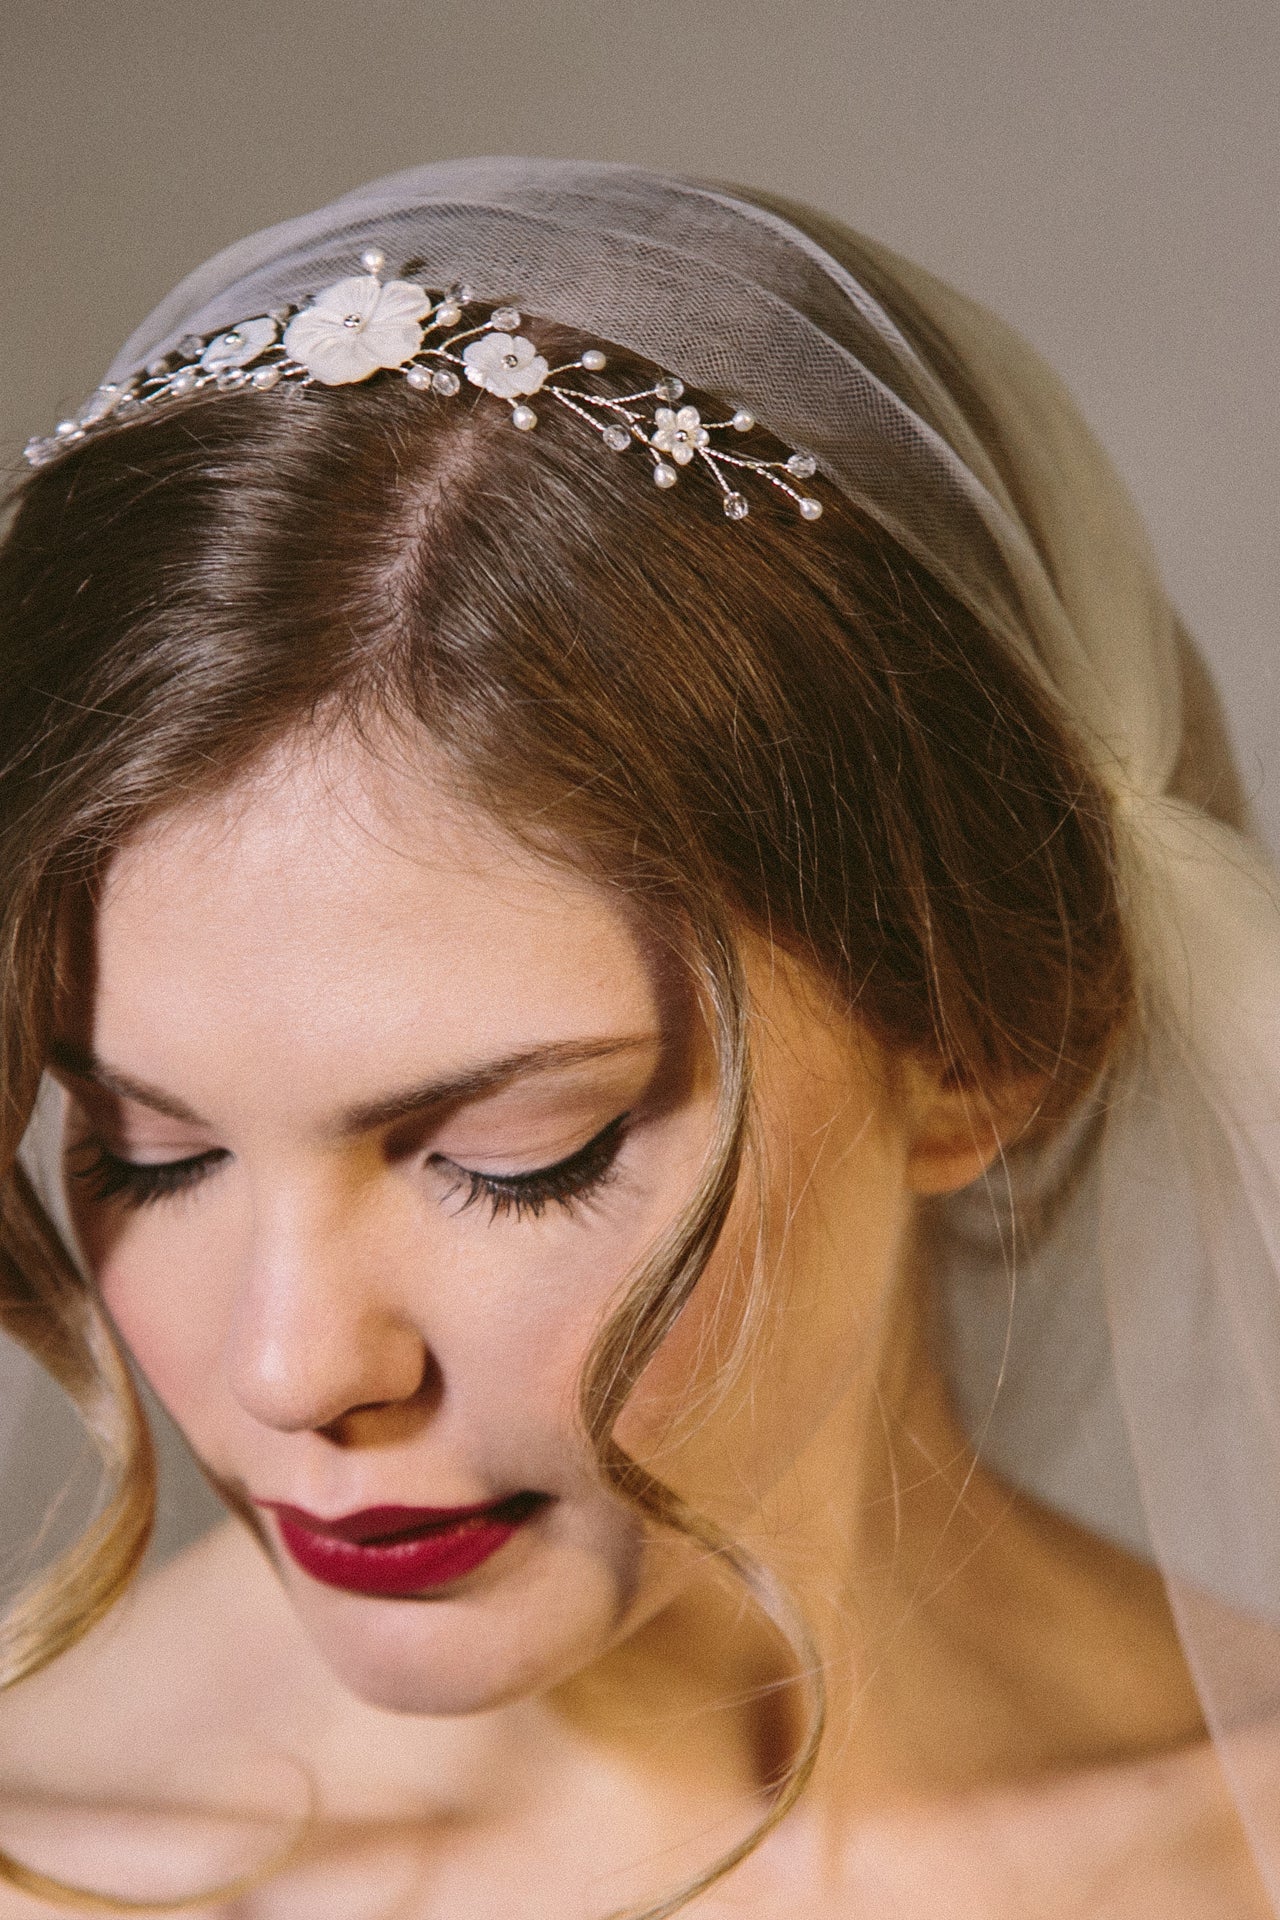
x=350 y=1003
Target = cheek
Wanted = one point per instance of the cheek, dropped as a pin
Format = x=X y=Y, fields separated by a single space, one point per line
x=784 y=1323
x=169 y=1296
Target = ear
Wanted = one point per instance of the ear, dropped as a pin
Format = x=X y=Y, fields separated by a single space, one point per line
x=956 y=1132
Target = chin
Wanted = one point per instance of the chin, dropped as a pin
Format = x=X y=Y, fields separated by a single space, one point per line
x=467 y=1650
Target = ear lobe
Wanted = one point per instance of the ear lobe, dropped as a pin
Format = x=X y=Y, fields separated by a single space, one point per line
x=959 y=1131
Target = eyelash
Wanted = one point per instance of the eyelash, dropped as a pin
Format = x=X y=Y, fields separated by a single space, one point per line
x=567 y=1183
x=108 y=1177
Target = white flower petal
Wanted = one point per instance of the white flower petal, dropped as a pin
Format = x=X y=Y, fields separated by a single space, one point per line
x=401 y=300
x=358 y=295
x=392 y=342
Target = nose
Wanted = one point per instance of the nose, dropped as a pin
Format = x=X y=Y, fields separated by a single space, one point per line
x=323 y=1336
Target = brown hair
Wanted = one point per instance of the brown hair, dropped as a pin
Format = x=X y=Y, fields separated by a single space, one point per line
x=770 y=725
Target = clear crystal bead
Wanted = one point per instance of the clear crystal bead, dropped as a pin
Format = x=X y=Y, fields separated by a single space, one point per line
x=264 y=378
x=664 y=476
x=669 y=388
x=419 y=378
x=617 y=439
x=67 y=430
x=185 y=380
x=736 y=506
x=505 y=318
x=464 y=293
x=445 y=381
x=803 y=465
x=594 y=361
x=38 y=452
x=230 y=378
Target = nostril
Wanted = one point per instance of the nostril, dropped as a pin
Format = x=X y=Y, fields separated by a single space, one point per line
x=396 y=1417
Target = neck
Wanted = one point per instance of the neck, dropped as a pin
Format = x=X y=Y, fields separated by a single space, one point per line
x=968 y=1637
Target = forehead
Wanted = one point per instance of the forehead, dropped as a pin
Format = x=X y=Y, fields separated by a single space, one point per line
x=342 y=903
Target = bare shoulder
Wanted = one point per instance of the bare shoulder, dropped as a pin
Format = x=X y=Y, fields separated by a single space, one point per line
x=1158 y=1839
x=120 y=1753
x=190 y=1663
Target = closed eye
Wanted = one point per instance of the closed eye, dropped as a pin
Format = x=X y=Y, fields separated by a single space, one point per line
x=137 y=1183
x=567 y=1183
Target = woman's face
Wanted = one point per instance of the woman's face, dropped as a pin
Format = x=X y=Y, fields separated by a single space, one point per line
x=373 y=1116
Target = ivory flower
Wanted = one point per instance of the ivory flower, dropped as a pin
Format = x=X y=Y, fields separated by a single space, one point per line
x=505 y=364
x=239 y=345
x=355 y=327
x=679 y=434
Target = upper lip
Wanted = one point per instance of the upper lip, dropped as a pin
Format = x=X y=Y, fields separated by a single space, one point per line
x=383 y=1524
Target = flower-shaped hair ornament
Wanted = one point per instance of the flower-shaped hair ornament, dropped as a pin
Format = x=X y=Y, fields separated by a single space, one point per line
x=353 y=329
x=505 y=364
x=239 y=345
x=680 y=434
x=365 y=325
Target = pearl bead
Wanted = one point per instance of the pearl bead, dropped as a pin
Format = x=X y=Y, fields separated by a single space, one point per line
x=373 y=260
x=594 y=361
x=743 y=420
x=811 y=509
x=524 y=417
x=670 y=388
x=448 y=313
x=736 y=506
x=803 y=465
x=664 y=476
x=445 y=381
x=504 y=318
x=617 y=439
x=262 y=379
x=419 y=378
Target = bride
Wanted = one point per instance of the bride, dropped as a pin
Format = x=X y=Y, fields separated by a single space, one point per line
x=631 y=922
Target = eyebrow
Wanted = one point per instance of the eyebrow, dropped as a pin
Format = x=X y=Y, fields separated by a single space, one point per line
x=469 y=1083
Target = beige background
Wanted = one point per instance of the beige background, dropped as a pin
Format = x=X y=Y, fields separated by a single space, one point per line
x=1105 y=172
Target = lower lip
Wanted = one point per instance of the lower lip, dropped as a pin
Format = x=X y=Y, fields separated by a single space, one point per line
x=414 y=1563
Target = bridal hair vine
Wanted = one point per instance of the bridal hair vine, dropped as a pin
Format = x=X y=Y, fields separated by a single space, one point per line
x=365 y=325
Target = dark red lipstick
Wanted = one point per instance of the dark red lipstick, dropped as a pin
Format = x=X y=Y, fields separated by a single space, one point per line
x=396 y=1552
